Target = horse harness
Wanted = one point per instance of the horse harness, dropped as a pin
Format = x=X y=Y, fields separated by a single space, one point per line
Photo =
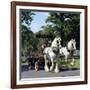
x=55 y=50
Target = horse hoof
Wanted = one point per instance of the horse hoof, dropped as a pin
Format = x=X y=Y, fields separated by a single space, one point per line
x=71 y=64
x=46 y=69
x=36 y=70
x=51 y=69
x=56 y=71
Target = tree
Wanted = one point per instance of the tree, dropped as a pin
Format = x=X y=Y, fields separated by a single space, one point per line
x=26 y=17
x=66 y=25
x=27 y=36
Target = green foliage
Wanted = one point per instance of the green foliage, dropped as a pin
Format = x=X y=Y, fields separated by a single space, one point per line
x=26 y=15
x=66 y=25
x=27 y=36
x=26 y=39
x=64 y=64
x=48 y=31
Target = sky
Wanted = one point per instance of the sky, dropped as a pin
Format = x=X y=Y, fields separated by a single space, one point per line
x=38 y=21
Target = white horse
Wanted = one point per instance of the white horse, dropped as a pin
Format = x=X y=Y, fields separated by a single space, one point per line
x=50 y=53
x=68 y=50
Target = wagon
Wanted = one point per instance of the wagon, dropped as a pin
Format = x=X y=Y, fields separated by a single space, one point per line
x=35 y=62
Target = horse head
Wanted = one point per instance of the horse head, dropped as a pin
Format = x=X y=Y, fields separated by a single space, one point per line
x=56 y=42
x=72 y=44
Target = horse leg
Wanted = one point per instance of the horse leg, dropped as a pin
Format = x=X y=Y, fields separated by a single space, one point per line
x=56 y=68
x=72 y=62
x=46 y=67
x=66 y=58
x=52 y=65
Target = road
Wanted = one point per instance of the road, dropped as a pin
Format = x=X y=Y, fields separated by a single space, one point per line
x=42 y=73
